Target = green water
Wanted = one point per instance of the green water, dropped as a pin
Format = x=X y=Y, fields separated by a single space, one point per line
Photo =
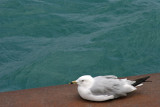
x=52 y=42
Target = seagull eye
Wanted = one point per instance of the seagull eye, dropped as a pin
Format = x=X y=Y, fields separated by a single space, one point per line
x=82 y=80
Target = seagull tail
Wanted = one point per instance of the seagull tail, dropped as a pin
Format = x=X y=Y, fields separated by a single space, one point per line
x=140 y=81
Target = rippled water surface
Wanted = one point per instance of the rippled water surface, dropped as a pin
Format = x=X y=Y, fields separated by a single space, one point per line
x=52 y=42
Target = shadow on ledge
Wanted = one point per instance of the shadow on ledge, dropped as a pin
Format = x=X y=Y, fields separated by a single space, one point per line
x=147 y=95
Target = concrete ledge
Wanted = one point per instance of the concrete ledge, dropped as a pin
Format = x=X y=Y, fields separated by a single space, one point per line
x=66 y=96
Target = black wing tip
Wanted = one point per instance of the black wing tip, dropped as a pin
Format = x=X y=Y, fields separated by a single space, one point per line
x=147 y=77
x=141 y=80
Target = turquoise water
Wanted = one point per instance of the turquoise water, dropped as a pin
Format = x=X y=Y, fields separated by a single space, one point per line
x=52 y=42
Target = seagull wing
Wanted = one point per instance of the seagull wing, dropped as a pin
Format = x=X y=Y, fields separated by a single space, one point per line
x=108 y=77
x=108 y=85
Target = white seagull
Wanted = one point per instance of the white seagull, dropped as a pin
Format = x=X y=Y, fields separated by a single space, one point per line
x=102 y=88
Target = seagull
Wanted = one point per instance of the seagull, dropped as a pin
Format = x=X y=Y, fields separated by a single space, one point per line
x=103 y=88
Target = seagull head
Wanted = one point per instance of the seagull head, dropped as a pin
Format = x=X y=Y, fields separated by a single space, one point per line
x=84 y=81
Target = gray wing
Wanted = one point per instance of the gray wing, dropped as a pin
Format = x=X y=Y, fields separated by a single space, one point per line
x=108 y=85
x=109 y=77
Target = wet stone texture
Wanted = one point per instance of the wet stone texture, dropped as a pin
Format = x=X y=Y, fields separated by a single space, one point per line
x=147 y=95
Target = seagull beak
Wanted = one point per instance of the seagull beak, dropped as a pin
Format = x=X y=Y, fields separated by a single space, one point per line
x=73 y=82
